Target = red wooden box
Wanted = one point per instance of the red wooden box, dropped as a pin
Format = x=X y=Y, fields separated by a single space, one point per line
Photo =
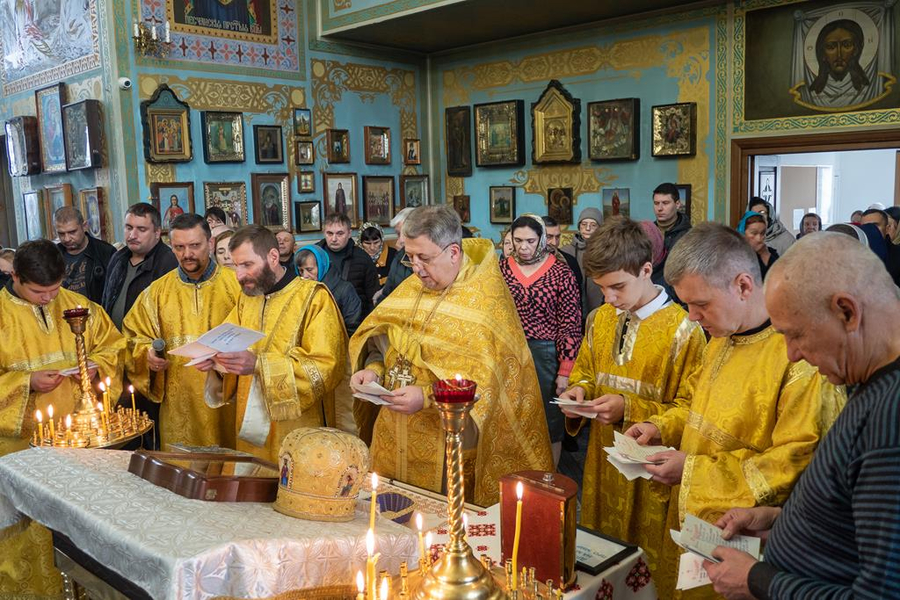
x=547 y=541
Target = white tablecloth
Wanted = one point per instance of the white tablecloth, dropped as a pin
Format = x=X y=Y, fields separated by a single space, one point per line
x=173 y=547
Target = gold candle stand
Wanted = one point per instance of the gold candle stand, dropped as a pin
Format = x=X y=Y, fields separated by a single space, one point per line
x=89 y=429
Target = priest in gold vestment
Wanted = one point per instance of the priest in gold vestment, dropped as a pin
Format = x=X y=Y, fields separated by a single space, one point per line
x=37 y=344
x=754 y=418
x=455 y=316
x=285 y=380
x=178 y=308
x=636 y=361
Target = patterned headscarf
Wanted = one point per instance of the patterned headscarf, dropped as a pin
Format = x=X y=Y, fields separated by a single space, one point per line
x=541 y=248
x=370 y=225
x=742 y=226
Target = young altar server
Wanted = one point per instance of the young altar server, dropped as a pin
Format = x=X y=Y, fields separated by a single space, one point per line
x=636 y=360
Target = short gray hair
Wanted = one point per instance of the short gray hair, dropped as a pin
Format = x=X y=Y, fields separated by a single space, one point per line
x=715 y=252
x=67 y=214
x=440 y=224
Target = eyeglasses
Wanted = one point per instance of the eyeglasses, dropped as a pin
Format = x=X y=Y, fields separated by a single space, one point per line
x=425 y=262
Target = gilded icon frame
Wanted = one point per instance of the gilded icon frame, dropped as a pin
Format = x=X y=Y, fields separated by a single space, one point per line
x=458 y=133
x=219 y=193
x=54 y=97
x=262 y=184
x=556 y=126
x=674 y=129
x=164 y=107
x=500 y=134
x=378 y=145
x=614 y=129
x=234 y=145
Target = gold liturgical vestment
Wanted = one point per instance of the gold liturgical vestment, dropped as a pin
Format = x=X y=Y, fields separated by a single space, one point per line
x=471 y=329
x=180 y=312
x=39 y=339
x=753 y=423
x=299 y=363
x=649 y=362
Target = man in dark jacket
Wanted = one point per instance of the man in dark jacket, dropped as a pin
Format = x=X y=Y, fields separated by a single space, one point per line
x=400 y=268
x=143 y=260
x=350 y=261
x=86 y=257
x=672 y=223
x=131 y=270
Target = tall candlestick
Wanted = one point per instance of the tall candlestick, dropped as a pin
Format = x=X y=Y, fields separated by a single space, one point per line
x=520 y=489
x=360 y=586
x=50 y=421
x=421 y=544
x=371 y=563
x=40 y=427
x=374 y=501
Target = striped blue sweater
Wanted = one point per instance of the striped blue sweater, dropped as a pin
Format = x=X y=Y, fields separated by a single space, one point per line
x=839 y=533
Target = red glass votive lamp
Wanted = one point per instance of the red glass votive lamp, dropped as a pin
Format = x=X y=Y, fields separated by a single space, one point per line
x=454 y=390
x=75 y=313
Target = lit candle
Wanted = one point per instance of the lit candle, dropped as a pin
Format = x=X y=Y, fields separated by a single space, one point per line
x=360 y=586
x=137 y=32
x=104 y=417
x=520 y=489
x=68 y=428
x=106 y=403
x=428 y=538
x=371 y=563
x=168 y=39
x=421 y=539
x=133 y=409
x=40 y=427
x=374 y=501
x=50 y=421
x=384 y=589
x=153 y=31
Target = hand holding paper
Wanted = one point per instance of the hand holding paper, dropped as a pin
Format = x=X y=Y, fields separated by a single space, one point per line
x=227 y=337
x=371 y=392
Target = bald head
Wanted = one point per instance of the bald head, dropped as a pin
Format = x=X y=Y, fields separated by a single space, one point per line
x=835 y=312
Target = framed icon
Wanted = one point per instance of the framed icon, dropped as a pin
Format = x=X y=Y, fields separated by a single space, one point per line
x=90 y=202
x=338 y=141
x=614 y=129
x=458 y=124
x=378 y=199
x=223 y=136
x=412 y=152
x=500 y=134
x=304 y=153
x=378 y=145
x=502 y=204
x=172 y=199
x=166 y=122
x=269 y=144
x=271 y=194
x=49 y=102
x=414 y=191
x=231 y=197
x=556 y=125
x=340 y=195
x=675 y=129
x=307 y=217
x=82 y=127
x=306 y=182
x=302 y=122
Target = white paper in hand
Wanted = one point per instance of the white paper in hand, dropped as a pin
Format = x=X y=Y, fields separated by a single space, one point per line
x=701 y=538
x=227 y=337
x=372 y=392
x=629 y=470
x=629 y=449
x=74 y=370
x=691 y=573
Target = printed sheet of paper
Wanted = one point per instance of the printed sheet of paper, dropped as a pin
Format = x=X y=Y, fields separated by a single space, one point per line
x=571 y=406
x=691 y=573
x=630 y=450
x=701 y=537
x=74 y=370
x=227 y=337
x=372 y=392
x=629 y=470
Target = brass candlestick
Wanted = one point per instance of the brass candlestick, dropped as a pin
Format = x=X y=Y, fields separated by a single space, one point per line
x=457 y=574
x=90 y=427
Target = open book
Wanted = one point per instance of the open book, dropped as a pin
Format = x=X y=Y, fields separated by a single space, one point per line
x=700 y=539
x=227 y=337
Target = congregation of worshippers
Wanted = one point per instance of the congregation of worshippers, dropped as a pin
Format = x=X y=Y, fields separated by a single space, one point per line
x=766 y=362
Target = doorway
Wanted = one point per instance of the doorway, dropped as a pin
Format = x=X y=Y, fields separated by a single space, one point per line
x=832 y=203
x=9 y=237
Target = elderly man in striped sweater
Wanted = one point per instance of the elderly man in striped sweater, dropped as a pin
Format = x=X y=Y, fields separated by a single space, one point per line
x=838 y=535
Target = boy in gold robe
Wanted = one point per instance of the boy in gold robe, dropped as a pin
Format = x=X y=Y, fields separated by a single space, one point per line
x=37 y=344
x=455 y=316
x=754 y=419
x=285 y=380
x=178 y=308
x=636 y=360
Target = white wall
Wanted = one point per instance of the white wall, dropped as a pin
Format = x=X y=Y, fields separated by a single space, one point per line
x=859 y=178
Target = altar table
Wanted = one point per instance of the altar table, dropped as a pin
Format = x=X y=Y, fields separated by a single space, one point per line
x=176 y=548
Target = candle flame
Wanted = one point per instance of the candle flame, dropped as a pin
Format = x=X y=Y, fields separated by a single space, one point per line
x=50 y=411
x=465 y=522
x=130 y=389
x=100 y=406
x=360 y=582
x=428 y=538
x=79 y=306
x=520 y=489
x=38 y=416
x=458 y=377
x=108 y=382
x=370 y=542
x=102 y=386
x=374 y=481
x=418 y=520
x=384 y=589
x=68 y=421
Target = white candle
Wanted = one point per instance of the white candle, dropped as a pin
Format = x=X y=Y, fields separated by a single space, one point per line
x=168 y=39
x=374 y=501
x=520 y=489
x=137 y=32
x=153 y=31
x=384 y=589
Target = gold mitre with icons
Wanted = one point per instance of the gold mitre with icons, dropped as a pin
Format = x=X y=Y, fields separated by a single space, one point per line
x=321 y=471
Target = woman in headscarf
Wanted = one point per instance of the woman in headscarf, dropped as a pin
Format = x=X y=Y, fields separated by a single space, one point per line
x=313 y=263
x=548 y=302
x=777 y=235
x=753 y=228
x=371 y=239
x=810 y=223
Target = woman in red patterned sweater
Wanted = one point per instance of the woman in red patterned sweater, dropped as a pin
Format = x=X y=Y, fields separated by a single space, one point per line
x=547 y=299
